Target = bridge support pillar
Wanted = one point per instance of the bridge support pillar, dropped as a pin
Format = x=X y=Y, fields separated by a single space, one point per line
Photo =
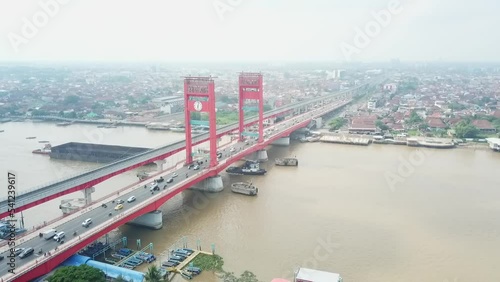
x=159 y=164
x=319 y=122
x=88 y=195
x=152 y=220
x=283 y=141
x=211 y=184
x=260 y=156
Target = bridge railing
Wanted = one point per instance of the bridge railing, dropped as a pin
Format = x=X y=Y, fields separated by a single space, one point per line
x=102 y=171
x=179 y=185
x=86 y=235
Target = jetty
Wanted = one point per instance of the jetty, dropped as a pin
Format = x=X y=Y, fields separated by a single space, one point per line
x=351 y=140
x=494 y=143
x=430 y=143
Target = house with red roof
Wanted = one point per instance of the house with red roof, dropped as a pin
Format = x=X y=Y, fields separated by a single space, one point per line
x=484 y=126
x=435 y=123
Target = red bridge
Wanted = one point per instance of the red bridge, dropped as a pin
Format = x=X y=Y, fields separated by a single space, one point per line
x=199 y=97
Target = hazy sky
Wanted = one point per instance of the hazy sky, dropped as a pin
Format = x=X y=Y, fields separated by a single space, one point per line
x=248 y=30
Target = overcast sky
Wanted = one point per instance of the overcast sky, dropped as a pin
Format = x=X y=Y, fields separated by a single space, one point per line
x=249 y=30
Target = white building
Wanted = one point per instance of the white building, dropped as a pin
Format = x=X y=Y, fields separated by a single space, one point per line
x=311 y=275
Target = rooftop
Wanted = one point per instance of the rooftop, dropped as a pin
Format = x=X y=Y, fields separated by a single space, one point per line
x=306 y=274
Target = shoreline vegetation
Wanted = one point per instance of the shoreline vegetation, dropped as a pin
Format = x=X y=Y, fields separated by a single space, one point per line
x=215 y=264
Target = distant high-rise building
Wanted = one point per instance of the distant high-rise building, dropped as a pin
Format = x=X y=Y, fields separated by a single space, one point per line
x=335 y=74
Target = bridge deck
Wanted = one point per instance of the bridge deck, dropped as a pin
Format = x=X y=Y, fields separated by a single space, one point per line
x=71 y=184
x=34 y=266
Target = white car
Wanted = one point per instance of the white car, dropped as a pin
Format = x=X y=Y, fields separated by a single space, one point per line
x=131 y=199
x=59 y=236
x=174 y=174
x=232 y=149
x=87 y=222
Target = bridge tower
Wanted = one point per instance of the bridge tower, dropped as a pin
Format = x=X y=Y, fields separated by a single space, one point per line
x=250 y=88
x=199 y=97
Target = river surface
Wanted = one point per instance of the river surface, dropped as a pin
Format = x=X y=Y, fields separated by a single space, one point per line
x=376 y=213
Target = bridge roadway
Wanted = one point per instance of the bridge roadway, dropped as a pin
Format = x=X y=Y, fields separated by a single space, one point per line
x=72 y=184
x=26 y=269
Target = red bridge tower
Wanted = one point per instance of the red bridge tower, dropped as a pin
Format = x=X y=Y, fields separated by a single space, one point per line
x=199 y=96
x=250 y=88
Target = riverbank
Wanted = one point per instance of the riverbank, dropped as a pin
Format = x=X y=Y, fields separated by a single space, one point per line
x=365 y=140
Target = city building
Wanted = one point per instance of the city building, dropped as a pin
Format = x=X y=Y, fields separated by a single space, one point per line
x=484 y=126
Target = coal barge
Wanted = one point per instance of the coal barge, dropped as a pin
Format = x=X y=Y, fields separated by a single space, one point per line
x=249 y=168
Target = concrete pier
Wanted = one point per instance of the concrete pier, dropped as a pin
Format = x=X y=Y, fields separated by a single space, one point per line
x=159 y=164
x=88 y=195
x=258 y=156
x=283 y=141
x=319 y=122
x=211 y=184
x=153 y=220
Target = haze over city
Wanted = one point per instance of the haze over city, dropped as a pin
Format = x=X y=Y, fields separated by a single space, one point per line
x=249 y=140
x=257 y=30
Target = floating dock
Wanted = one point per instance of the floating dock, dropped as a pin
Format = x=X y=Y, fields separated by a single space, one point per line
x=97 y=153
x=345 y=140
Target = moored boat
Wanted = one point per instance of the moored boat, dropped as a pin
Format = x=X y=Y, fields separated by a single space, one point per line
x=249 y=168
x=244 y=188
x=46 y=150
x=286 y=161
x=66 y=123
x=157 y=126
x=178 y=129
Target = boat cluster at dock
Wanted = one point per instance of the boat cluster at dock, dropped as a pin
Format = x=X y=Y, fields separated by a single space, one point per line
x=177 y=259
x=131 y=261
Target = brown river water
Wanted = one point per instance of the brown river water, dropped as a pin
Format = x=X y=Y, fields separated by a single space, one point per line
x=374 y=213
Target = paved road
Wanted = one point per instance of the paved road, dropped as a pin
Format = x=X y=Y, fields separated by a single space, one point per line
x=49 y=189
x=100 y=215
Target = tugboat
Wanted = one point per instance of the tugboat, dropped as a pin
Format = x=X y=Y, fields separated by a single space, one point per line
x=44 y=151
x=286 y=161
x=244 y=188
x=249 y=168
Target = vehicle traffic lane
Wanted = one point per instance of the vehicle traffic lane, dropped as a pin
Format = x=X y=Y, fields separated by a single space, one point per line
x=100 y=215
x=33 y=194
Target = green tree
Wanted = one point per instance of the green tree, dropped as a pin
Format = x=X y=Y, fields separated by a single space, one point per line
x=81 y=273
x=465 y=129
x=380 y=124
x=457 y=106
x=414 y=118
x=153 y=274
x=423 y=126
x=337 y=123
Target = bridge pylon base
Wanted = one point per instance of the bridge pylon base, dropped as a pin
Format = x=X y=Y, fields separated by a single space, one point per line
x=260 y=156
x=88 y=195
x=283 y=141
x=159 y=164
x=152 y=220
x=211 y=184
